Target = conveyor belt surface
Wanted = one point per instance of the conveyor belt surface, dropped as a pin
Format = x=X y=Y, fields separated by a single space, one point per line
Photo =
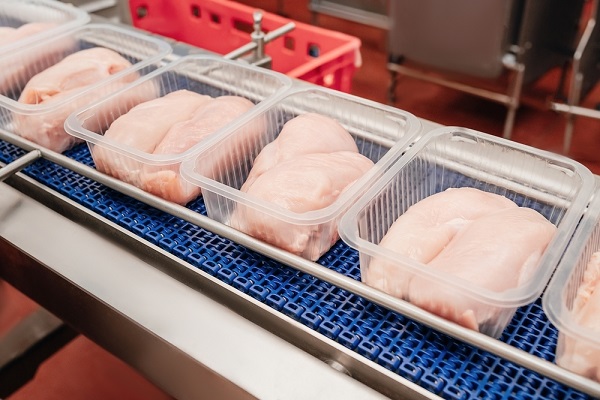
x=435 y=361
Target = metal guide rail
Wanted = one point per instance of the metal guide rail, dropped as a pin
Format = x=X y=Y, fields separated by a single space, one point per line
x=327 y=296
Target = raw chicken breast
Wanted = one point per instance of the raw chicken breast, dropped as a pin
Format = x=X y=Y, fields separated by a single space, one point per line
x=74 y=72
x=10 y=35
x=55 y=86
x=304 y=134
x=6 y=32
x=17 y=70
x=574 y=354
x=142 y=128
x=206 y=120
x=495 y=252
x=167 y=183
x=301 y=184
x=425 y=229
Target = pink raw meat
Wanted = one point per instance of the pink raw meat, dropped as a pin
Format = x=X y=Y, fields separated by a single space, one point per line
x=57 y=85
x=577 y=355
x=425 y=229
x=206 y=120
x=10 y=35
x=6 y=32
x=18 y=67
x=496 y=252
x=302 y=184
x=73 y=73
x=167 y=182
x=142 y=128
x=304 y=134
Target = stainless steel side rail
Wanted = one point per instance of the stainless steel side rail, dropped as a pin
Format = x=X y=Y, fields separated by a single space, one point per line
x=477 y=339
x=575 y=110
x=19 y=164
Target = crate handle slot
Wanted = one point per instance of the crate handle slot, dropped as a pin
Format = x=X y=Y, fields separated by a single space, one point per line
x=195 y=9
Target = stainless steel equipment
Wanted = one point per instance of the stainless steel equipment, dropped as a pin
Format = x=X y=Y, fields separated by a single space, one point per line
x=470 y=47
x=76 y=241
x=368 y=12
x=584 y=75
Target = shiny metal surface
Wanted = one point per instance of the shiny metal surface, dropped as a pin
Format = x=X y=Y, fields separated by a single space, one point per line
x=174 y=324
x=260 y=42
x=487 y=343
x=187 y=332
x=33 y=328
x=19 y=164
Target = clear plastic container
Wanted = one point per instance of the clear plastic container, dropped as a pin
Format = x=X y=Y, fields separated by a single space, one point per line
x=57 y=17
x=203 y=74
x=578 y=347
x=43 y=122
x=451 y=157
x=220 y=171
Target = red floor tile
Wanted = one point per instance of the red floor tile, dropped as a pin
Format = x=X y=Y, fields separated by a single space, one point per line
x=14 y=306
x=82 y=370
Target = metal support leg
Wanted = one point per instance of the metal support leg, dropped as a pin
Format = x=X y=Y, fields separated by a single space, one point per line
x=514 y=93
x=27 y=345
x=574 y=96
x=391 y=95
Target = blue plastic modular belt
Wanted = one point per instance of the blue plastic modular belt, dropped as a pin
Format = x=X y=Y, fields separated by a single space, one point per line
x=435 y=361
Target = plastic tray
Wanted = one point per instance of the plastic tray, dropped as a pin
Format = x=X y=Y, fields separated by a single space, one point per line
x=379 y=132
x=21 y=65
x=401 y=347
x=16 y=13
x=561 y=292
x=320 y=56
x=448 y=157
x=207 y=75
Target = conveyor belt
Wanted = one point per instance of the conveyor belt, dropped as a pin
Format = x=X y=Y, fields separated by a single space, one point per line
x=435 y=361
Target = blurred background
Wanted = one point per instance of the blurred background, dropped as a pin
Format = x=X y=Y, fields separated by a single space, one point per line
x=460 y=61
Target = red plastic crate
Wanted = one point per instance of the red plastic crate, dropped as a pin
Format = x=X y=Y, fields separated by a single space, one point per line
x=310 y=53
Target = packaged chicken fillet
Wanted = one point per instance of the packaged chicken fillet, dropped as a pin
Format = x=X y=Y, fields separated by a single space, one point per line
x=468 y=226
x=572 y=299
x=44 y=82
x=197 y=98
x=23 y=22
x=289 y=185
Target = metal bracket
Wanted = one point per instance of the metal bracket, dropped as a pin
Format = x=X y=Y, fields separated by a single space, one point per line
x=259 y=40
x=19 y=164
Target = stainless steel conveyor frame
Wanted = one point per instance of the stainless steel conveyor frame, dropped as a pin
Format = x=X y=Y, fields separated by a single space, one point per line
x=172 y=327
x=340 y=355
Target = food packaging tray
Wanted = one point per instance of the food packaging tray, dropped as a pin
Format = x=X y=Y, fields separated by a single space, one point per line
x=441 y=364
x=562 y=290
x=203 y=74
x=378 y=131
x=22 y=64
x=16 y=13
x=450 y=157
